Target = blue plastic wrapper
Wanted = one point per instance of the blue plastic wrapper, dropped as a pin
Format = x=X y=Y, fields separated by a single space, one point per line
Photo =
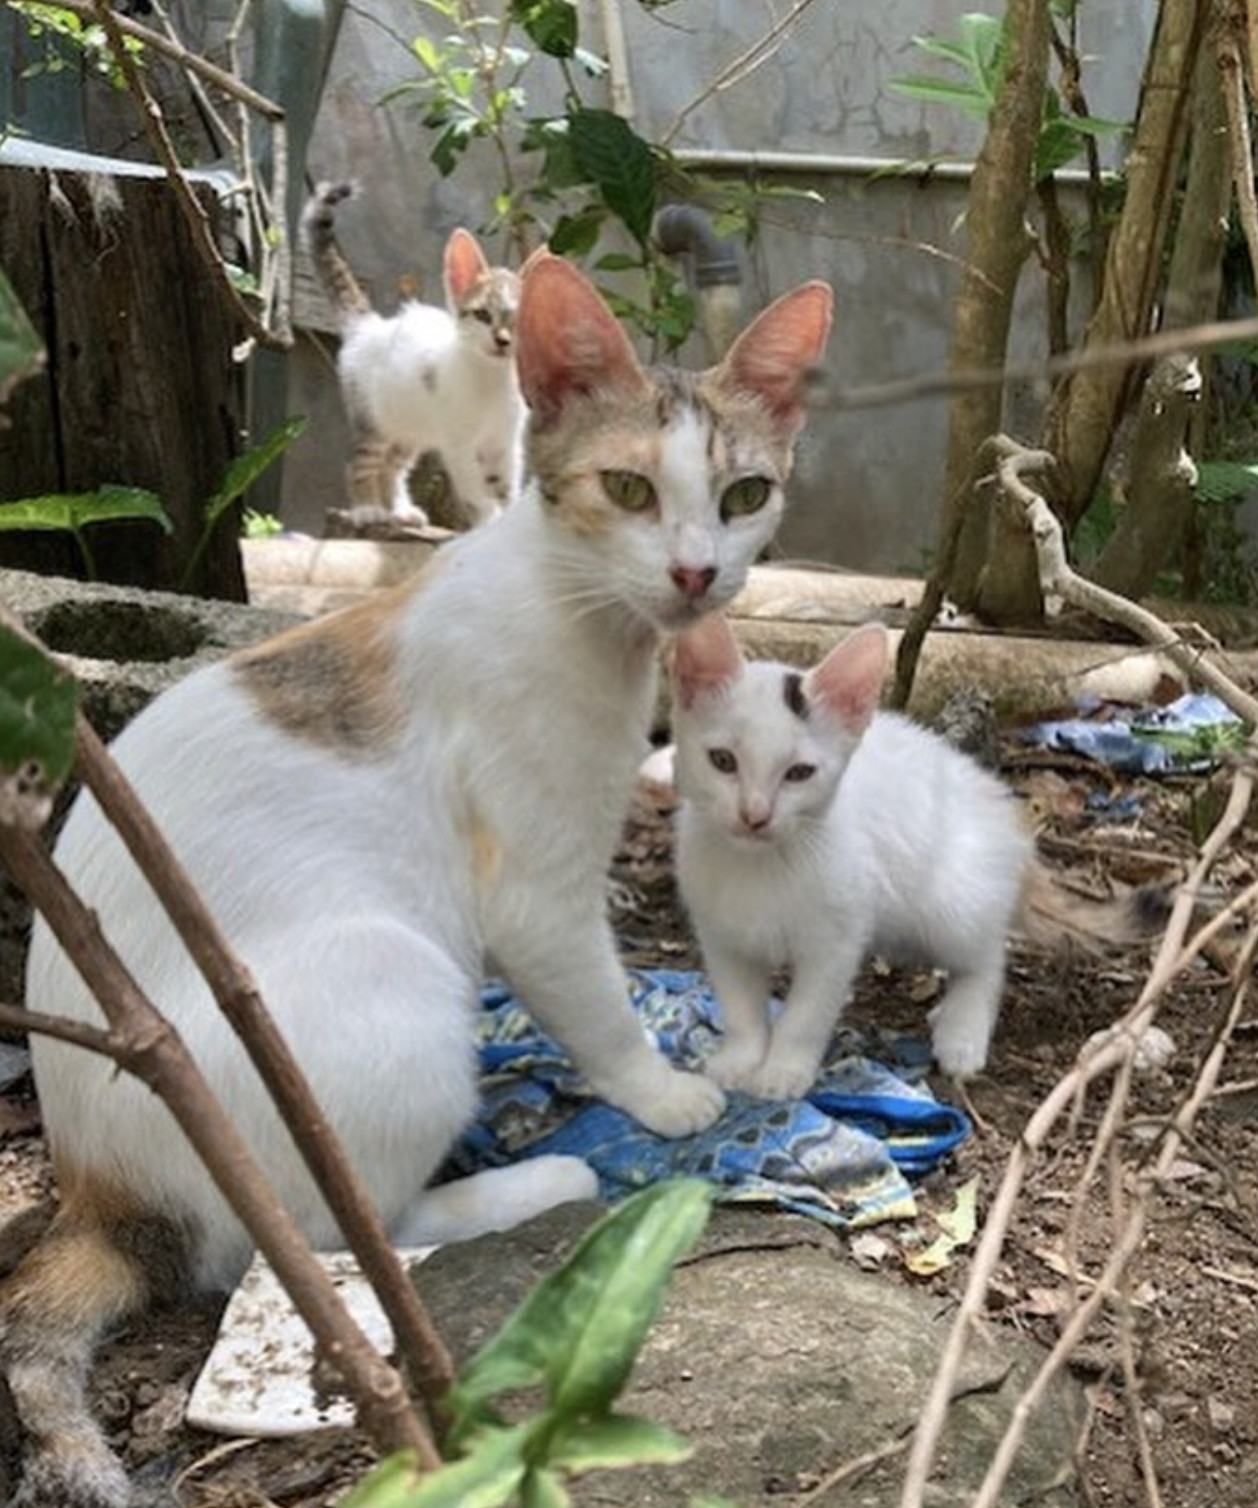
x=1189 y=735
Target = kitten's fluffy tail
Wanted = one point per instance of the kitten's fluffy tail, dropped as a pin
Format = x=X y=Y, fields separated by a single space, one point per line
x=318 y=221
x=1053 y=916
x=100 y=1260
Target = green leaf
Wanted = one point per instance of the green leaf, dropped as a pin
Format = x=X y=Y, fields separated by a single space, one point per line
x=543 y=1489
x=551 y=24
x=616 y=1440
x=245 y=470
x=240 y=475
x=38 y=704
x=576 y=235
x=489 y=1476
x=943 y=92
x=1225 y=481
x=73 y=510
x=612 y=156
x=21 y=351
x=579 y=1331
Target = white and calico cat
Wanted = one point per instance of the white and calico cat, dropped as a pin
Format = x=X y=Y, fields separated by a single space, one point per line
x=426 y=378
x=374 y=801
x=813 y=829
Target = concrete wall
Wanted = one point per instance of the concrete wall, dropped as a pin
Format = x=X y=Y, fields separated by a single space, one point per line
x=867 y=486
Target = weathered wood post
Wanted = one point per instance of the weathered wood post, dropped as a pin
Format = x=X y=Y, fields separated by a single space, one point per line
x=140 y=388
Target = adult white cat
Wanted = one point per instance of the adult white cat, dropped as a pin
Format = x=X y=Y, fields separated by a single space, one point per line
x=371 y=802
x=814 y=829
x=426 y=378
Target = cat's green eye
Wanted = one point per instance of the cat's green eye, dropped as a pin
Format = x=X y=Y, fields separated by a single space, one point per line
x=800 y=772
x=722 y=760
x=628 y=490
x=747 y=495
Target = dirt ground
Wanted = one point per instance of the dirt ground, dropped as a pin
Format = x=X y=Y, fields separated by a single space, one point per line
x=1181 y=1352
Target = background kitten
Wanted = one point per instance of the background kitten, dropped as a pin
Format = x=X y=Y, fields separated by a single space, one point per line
x=425 y=378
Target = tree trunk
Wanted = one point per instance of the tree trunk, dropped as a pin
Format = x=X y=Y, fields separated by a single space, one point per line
x=998 y=244
x=1086 y=406
x=140 y=387
x=1161 y=479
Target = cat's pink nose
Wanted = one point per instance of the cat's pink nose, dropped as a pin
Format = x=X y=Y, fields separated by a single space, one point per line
x=755 y=816
x=692 y=581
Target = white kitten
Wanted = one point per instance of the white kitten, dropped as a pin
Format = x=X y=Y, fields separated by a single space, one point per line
x=369 y=804
x=426 y=378
x=815 y=829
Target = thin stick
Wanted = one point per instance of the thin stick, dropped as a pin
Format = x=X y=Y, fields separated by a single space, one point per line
x=278 y=338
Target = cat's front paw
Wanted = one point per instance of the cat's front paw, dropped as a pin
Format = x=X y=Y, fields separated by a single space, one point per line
x=733 y=1064
x=666 y=1100
x=960 y=1051
x=781 y=1077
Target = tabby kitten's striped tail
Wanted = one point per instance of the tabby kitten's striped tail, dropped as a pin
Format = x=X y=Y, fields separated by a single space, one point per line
x=318 y=221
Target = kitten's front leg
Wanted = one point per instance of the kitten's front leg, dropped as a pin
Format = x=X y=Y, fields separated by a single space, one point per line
x=801 y=1034
x=564 y=967
x=742 y=990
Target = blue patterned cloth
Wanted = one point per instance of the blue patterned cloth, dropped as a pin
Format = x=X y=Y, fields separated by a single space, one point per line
x=844 y=1155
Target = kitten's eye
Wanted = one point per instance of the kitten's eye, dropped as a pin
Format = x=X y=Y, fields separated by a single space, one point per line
x=628 y=490
x=747 y=495
x=484 y=315
x=800 y=772
x=723 y=760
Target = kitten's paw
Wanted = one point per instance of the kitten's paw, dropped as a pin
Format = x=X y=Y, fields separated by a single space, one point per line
x=410 y=515
x=960 y=1051
x=665 y=1099
x=734 y=1064
x=781 y=1078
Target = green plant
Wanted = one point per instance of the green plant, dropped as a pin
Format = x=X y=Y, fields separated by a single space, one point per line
x=594 y=172
x=241 y=474
x=38 y=706
x=21 y=351
x=75 y=512
x=573 y=1340
x=255 y=525
x=978 y=55
x=86 y=39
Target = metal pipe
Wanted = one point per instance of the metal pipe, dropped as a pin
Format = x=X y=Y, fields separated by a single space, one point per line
x=847 y=164
x=713 y=268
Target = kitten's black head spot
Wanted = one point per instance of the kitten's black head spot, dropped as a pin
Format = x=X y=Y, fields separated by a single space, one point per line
x=430 y=379
x=793 y=694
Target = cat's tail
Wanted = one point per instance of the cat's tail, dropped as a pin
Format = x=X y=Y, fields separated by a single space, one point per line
x=98 y=1261
x=1054 y=916
x=318 y=223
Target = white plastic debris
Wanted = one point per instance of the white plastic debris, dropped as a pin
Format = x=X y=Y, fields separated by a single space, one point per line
x=259 y=1378
x=1153 y=1049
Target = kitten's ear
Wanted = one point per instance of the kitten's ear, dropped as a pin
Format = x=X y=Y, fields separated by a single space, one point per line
x=463 y=263
x=773 y=356
x=706 y=657
x=567 y=340
x=849 y=680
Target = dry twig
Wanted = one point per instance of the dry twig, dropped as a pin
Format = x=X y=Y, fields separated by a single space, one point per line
x=1110 y=1057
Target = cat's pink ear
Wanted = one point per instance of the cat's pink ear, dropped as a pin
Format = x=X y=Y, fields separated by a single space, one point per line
x=849 y=680
x=463 y=263
x=567 y=340
x=538 y=254
x=706 y=657
x=773 y=356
